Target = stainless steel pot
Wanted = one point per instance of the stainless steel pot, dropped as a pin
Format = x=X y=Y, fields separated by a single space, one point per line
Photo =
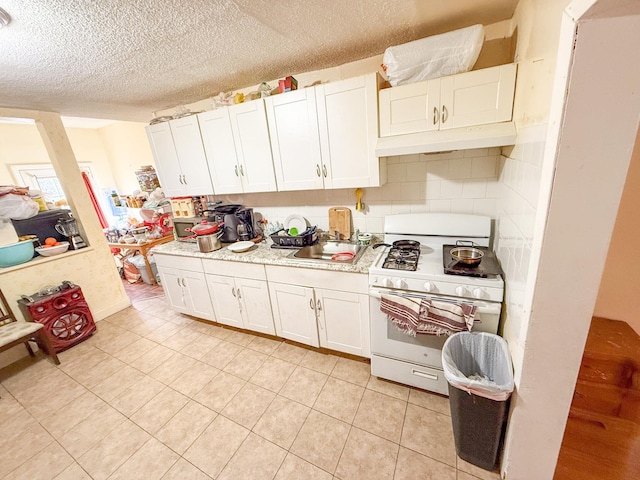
x=209 y=243
x=469 y=256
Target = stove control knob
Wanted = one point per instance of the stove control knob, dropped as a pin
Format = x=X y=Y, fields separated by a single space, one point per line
x=478 y=293
x=400 y=283
x=386 y=282
x=461 y=291
x=429 y=287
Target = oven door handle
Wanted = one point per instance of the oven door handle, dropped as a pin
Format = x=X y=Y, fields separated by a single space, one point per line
x=481 y=307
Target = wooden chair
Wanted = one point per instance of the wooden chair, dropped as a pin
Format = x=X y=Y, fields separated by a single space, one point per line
x=13 y=332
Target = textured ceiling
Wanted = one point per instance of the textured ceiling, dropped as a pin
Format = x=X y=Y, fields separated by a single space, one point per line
x=125 y=59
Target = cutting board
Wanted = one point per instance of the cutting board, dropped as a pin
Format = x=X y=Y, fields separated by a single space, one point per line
x=340 y=220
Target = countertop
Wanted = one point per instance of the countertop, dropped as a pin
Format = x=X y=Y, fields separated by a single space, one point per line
x=262 y=253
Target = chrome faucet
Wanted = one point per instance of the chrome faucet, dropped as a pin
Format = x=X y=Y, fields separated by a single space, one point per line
x=336 y=235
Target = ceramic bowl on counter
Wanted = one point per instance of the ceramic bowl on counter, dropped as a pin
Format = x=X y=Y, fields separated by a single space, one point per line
x=16 y=253
x=47 y=251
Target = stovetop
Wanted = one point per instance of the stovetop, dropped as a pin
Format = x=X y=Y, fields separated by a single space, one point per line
x=405 y=259
x=488 y=267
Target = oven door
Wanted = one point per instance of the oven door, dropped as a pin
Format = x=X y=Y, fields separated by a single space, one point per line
x=388 y=341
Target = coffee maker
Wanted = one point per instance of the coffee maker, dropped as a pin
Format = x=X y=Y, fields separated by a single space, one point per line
x=238 y=222
x=69 y=228
x=245 y=228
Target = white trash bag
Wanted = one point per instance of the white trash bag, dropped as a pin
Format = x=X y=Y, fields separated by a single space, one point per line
x=478 y=363
x=435 y=56
x=15 y=204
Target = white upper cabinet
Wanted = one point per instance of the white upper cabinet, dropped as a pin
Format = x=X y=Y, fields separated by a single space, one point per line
x=295 y=140
x=236 y=140
x=472 y=98
x=180 y=157
x=348 y=126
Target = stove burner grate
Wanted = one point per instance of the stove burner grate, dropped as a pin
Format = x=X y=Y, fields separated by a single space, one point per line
x=402 y=259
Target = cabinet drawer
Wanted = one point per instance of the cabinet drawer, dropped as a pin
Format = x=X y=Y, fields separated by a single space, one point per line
x=347 y=282
x=252 y=271
x=175 y=261
x=410 y=374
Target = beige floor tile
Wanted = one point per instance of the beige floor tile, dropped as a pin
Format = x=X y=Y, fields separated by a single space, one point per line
x=191 y=381
x=264 y=345
x=339 y=399
x=150 y=462
x=367 y=456
x=256 y=459
x=470 y=471
x=381 y=415
x=429 y=433
x=113 y=450
x=304 y=386
x=432 y=401
x=412 y=465
x=47 y=464
x=63 y=420
x=220 y=355
x=273 y=374
x=91 y=430
x=73 y=472
x=118 y=343
x=248 y=405
x=183 y=470
x=185 y=426
x=318 y=361
x=66 y=388
x=34 y=442
x=200 y=346
x=245 y=364
x=282 y=421
x=116 y=384
x=172 y=368
x=163 y=332
x=215 y=447
x=159 y=410
x=182 y=338
x=219 y=391
x=353 y=371
x=290 y=353
x=135 y=350
x=401 y=392
x=147 y=325
x=239 y=338
x=294 y=468
x=134 y=397
x=321 y=440
x=214 y=330
x=150 y=360
x=96 y=374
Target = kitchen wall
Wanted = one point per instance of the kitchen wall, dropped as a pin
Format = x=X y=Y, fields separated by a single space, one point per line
x=463 y=181
x=618 y=298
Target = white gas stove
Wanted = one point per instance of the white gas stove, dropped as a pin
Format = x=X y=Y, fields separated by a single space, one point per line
x=417 y=360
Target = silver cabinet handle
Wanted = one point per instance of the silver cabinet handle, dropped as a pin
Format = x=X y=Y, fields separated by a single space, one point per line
x=445 y=114
x=184 y=283
x=429 y=376
x=324 y=171
x=241 y=171
x=239 y=292
x=435 y=115
x=233 y=292
x=184 y=179
x=311 y=304
x=318 y=170
x=319 y=306
x=236 y=169
x=180 y=179
x=178 y=279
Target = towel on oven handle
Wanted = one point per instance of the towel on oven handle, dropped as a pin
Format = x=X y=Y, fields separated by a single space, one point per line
x=413 y=315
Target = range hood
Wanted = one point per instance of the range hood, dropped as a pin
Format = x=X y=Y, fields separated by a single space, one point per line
x=480 y=136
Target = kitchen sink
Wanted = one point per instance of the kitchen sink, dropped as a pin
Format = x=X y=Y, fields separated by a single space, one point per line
x=328 y=251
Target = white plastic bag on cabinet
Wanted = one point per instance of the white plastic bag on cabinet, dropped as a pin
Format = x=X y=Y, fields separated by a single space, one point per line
x=435 y=56
x=16 y=206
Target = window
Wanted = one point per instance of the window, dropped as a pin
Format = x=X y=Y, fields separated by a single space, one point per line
x=43 y=177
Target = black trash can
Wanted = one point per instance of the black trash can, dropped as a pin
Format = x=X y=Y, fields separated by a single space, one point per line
x=478 y=368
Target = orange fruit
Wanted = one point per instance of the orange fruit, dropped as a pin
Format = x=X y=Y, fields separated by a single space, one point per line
x=50 y=241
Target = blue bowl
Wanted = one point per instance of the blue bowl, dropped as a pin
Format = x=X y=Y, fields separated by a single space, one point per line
x=16 y=253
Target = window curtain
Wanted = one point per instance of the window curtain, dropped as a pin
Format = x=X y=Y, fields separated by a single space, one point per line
x=94 y=201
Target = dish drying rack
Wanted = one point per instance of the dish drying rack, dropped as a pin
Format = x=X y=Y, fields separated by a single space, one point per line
x=282 y=239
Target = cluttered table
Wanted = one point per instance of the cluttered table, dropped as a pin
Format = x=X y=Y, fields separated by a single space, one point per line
x=144 y=248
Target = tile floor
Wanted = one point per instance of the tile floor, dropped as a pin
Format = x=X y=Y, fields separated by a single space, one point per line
x=157 y=395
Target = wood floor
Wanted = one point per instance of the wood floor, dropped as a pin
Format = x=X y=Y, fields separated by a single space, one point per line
x=602 y=437
x=141 y=291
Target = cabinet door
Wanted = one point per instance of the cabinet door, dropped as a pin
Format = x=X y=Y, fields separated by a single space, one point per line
x=171 y=280
x=198 y=299
x=410 y=108
x=225 y=300
x=348 y=123
x=255 y=305
x=343 y=321
x=294 y=313
x=217 y=137
x=295 y=140
x=193 y=161
x=477 y=97
x=166 y=158
x=251 y=135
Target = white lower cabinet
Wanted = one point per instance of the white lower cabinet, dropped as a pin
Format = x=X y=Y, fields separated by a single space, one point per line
x=306 y=311
x=240 y=297
x=184 y=285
